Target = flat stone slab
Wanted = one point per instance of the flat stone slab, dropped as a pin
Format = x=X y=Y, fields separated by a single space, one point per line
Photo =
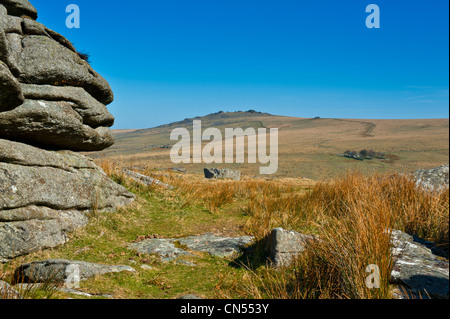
x=216 y=246
x=38 y=286
x=63 y=271
x=164 y=248
x=171 y=248
x=191 y=296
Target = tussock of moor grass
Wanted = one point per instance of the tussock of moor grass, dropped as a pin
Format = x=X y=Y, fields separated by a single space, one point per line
x=352 y=217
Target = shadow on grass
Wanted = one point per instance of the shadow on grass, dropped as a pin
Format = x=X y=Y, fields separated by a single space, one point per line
x=253 y=257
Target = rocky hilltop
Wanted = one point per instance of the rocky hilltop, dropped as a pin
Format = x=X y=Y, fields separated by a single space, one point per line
x=52 y=104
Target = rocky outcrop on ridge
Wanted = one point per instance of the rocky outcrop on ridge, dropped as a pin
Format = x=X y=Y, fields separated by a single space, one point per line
x=52 y=103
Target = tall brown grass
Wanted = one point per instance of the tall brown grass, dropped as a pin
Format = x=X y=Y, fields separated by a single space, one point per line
x=193 y=189
x=387 y=200
x=353 y=217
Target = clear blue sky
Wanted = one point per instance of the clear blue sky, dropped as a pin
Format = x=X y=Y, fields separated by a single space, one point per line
x=173 y=59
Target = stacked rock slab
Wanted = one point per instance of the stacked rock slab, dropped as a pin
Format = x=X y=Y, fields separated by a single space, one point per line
x=50 y=97
x=52 y=103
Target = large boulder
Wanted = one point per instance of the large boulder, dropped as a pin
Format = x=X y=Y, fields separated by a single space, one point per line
x=46 y=194
x=419 y=268
x=49 y=96
x=8 y=292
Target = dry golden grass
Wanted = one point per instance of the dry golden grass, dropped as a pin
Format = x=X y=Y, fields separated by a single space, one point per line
x=193 y=189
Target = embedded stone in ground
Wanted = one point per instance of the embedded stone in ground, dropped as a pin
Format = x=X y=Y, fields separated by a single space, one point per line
x=215 y=173
x=8 y=292
x=216 y=245
x=145 y=180
x=164 y=248
x=170 y=248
